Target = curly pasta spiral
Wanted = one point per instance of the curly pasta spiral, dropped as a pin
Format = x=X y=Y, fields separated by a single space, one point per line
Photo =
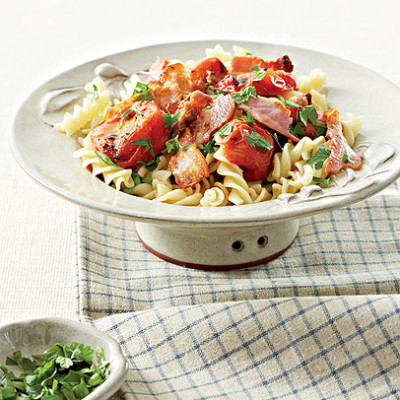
x=92 y=109
x=315 y=80
x=215 y=196
x=233 y=179
x=112 y=174
x=290 y=154
x=351 y=127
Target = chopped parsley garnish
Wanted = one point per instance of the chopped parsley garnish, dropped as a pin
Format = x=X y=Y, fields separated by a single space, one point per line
x=308 y=113
x=248 y=53
x=321 y=181
x=143 y=89
x=256 y=140
x=319 y=157
x=260 y=75
x=244 y=94
x=95 y=92
x=309 y=152
x=152 y=164
x=255 y=68
x=275 y=136
x=127 y=112
x=207 y=148
x=172 y=145
x=207 y=107
x=105 y=159
x=291 y=104
x=136 y=178
x=249 y=118
x=186 y=147
x=297 y=129
x=224 y=131
x=218 y=92
x=144 y=142
x=222 y=67
x=62 y=373
x=345 y=158
x=170 y=119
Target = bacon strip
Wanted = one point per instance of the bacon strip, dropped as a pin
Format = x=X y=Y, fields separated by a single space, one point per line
x=339 y=145
x=271 y=113
x=210 y=120
x=189 y=167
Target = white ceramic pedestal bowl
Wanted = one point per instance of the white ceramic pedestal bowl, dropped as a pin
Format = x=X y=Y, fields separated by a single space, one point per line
x=224 y=237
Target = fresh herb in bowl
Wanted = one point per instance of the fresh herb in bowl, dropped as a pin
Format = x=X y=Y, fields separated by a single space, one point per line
x=62 y=372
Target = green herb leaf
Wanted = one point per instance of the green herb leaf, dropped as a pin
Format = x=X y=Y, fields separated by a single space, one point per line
x=249 y=118
x=260 y=75
x=345 y=158
x=291 y=104
x=256 y=140
x=224 y=131
x=244 y=94
x=105 y=159
x=136 y=178
x=207 y=148
x=172 y=145
x=152 y=164
x=308 y=113
x=219 y=92
x=147 y=143
x=255 y=68
x=170 y=119
x=321 y=181
x=297 y=129
x=147 y=179
x=275 y=136
x=319 y=157
x=248 y=53
x=309 y=152
x=143 y=89
x=207 y=107
x=95 y=92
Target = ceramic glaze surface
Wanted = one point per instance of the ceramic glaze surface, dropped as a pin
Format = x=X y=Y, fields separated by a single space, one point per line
x=47 y=154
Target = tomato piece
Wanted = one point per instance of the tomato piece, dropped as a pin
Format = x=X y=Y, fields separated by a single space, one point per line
x=120 y=108
x=189 y=166
x=231 y=83
x=114 y=135
x=199 y=72
x=253 y=160
x=274 y=83
x=240 y=64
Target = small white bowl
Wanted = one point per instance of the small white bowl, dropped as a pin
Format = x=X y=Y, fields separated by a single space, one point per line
x=36 y=335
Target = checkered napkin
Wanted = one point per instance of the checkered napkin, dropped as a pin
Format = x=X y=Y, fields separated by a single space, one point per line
x=320 y=322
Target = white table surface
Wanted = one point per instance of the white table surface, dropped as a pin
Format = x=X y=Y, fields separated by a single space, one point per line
x=41 y=39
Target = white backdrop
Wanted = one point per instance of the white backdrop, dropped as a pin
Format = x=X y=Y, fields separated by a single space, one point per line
x=41 y=39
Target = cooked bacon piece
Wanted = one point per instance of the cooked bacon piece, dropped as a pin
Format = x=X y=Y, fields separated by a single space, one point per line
x=189 y=167
x=113 y=136
x=274 y=83
x=190 y=110
x=339 y=145
x=210 y=120
x=157 y=68
x=242 y=64
x=253 y=160
x=210 y=66
x=271 y=113
x=231 y=83
x=171 y=88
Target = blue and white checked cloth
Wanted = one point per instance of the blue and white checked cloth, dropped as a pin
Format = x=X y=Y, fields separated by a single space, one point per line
x=320 y=322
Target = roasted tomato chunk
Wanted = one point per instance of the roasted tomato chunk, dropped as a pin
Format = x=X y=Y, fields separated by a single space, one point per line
x=274 y=83
x=231 y=84
x=189 y=166
x=210 y=66
x=129 y=122
x=254 y=160
x=242 y=64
